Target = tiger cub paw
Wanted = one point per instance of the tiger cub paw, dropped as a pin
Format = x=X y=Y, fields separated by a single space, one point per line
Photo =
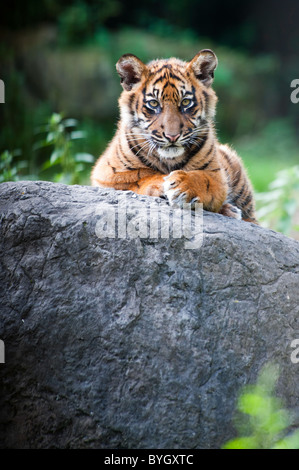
x=231 y=211
x=177 y=189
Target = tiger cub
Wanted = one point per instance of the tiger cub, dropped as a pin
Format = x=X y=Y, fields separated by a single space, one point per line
x=166 y=143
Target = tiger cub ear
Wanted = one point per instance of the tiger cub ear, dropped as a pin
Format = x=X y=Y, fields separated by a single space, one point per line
x=203 y=66
x=130 y=70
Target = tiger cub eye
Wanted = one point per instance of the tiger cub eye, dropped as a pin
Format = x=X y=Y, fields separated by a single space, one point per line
x=153 y=103
x=186 y=102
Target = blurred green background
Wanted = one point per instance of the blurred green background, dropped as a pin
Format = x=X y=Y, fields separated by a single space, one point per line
x=57 y=59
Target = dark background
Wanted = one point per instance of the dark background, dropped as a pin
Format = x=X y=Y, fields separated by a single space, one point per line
x=257 y=26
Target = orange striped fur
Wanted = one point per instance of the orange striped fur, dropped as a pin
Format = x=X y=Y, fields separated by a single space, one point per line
x=166 y=144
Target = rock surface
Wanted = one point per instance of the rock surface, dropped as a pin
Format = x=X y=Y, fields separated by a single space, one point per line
x=135 y=342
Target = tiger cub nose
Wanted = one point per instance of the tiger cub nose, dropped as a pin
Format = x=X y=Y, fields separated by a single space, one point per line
x=172 y=138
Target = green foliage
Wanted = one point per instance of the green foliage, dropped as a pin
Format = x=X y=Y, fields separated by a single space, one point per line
x=73 y=23
x=63 y=160
x=80 y=21
x=10 y=169
x=246 y=88
x=278 y=206
x=60 y=137
x=268 y=150
x=263 y=422
x=16 y=123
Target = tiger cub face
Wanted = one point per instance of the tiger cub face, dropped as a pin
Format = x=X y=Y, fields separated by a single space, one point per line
x=167 y=106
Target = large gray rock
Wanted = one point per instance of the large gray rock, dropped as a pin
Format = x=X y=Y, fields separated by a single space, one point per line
x=135 y=342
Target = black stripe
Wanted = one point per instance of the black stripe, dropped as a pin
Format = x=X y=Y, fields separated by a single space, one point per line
x=123 y=155
x=163 y=95
x=227 y=158
x=124 y=163
x=203 y=167
x=192 y=111
x=212 y=146
x=166 y=66
x=144 y=94
x=135 y=150
x=172 y=85
x=194 y=97
x=153 y=122
x=202 y=143
x=196 y=149
x=230 y=164
x=135 y=145
x=112 y=167
x=207 y=99
x=237 y=178
x=148 y=112
x=174 y=76
x=139 y=121
x=160 y=79
x=247 y=213
x=190 y=120
x=163 y=67
x=170 y=74
x=247 y=201
x=190 y=155
x=131 y=100
x=239 y=194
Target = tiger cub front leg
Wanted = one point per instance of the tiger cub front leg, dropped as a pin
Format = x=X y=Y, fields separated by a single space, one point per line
x=149 y=185
x=142 y=181
x=206 y=187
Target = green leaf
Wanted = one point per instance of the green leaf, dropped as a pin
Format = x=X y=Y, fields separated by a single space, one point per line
x=51 y=137
x=241 y=443
x=55 y=156
x=290 y=206
x=22 y=164
x=276 y=422
x=252 y=404
x=289 y=442
x=46 y=165
x=79 y=167
x=84 y=157
x=55 y=119
x=41 y=144
x=77 y=135
x=41 y=129
x=70 y=122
